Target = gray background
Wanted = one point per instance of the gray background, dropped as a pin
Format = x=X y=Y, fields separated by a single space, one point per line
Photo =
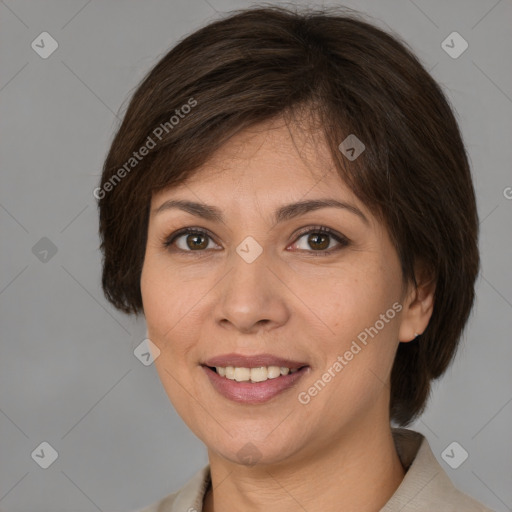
x=68 y=374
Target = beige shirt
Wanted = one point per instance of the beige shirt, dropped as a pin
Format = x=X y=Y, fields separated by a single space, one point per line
x=425 y=488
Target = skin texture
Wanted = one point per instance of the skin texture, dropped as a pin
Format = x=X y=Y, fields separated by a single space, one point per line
x=335 y=452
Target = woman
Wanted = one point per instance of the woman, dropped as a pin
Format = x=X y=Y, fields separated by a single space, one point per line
x=289 y=203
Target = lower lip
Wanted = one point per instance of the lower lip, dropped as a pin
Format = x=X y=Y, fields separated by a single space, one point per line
x=253 y=392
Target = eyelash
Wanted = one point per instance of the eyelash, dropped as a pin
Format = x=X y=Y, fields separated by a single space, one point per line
x=342 y=240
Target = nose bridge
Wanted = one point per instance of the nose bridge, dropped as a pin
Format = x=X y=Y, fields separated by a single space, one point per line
x=251 y=294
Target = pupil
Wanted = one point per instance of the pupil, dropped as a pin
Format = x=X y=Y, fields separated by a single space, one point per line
x=314 y=237
x=194 y=243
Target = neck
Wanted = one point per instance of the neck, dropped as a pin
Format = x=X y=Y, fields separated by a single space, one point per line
x=360 y=470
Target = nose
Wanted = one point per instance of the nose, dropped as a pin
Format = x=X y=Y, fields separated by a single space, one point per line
x=252 y=297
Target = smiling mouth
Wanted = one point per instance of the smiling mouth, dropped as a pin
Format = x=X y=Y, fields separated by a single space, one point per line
x=256 y=385
x=253 y=375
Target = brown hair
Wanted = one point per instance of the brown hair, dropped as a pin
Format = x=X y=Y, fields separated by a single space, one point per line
x=259 y=63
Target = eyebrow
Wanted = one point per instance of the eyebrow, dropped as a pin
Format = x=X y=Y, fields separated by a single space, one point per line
x=283 y=213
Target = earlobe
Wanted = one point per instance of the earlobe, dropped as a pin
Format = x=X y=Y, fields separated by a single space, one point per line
x=417 y=309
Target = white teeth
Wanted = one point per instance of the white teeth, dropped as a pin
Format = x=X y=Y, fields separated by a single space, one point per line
x=259 y=374
x=230 y=373
x=273 y=372
x=242 y=374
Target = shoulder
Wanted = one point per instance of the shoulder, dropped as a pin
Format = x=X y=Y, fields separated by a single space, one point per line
x=426 y=486
x=445 y=497
x=187 y=499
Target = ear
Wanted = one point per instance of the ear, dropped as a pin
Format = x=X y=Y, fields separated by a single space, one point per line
x=418 y=305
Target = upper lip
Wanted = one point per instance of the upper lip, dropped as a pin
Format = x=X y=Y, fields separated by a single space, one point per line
x=256 y=361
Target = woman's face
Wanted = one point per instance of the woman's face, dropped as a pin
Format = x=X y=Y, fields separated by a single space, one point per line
x=263 y=289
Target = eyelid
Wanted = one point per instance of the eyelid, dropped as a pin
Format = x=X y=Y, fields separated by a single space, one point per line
x=320 y=229
x=342 y=240
x=169 y=240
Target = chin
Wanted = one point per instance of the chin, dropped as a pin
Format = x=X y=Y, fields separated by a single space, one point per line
x=249 y=449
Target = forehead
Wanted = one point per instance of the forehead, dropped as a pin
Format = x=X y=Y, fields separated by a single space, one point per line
x=269 y=163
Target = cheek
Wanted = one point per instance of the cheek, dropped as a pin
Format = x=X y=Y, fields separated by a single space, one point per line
x=168 y=310
x=167 y=295
x=357 y=308
x=346 y=299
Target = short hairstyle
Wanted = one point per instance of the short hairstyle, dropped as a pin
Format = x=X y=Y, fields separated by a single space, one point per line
x=355 y=78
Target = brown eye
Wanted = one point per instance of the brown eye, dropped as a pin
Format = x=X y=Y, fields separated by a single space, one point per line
x=189 y=240
x=319 y=240
x=196 y=241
